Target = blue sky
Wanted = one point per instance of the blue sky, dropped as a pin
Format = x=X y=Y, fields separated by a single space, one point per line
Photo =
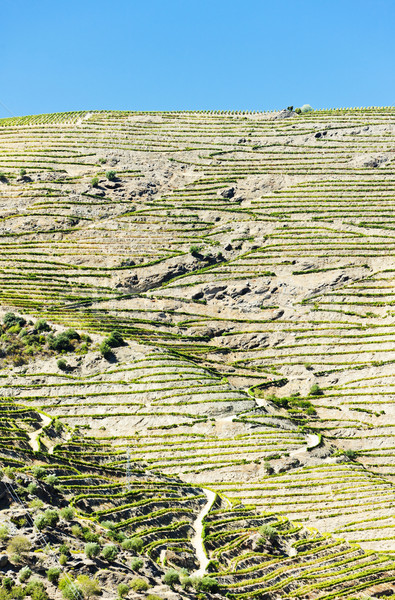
x=195 y=54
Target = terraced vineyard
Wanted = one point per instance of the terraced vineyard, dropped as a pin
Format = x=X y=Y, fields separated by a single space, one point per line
x=243 y=428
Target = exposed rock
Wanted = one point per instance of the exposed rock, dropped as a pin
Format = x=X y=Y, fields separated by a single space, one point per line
x=284 y=114
x=229 y=193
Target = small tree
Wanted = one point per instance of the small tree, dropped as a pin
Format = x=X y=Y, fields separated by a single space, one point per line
x=19 y=545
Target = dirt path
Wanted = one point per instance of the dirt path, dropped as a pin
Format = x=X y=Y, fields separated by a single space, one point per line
x=197 y=540
x=34 y=436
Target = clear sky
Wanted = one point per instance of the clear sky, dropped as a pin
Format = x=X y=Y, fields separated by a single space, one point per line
x=195 y=54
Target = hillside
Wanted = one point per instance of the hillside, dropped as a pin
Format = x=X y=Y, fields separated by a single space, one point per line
x=240 y=423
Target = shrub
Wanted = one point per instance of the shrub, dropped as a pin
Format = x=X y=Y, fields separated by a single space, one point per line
x=136 y=564
x=22 y=172
x=32 y=488
x=48 y=519
x=24 y=574
x=64 y=580
x=52 y=479
x=134 y=543
x=4 y=533
x=76 y=530
x=111 y=175
x=53 y=574
x=89 y=587
x=315 y=390
x=62 y=560
x=186 y=582
x=62 y=364
x=51 y=517
x=60 y=342
x=36 y=503
x=105 y=349
x=171 y=578
x=42 y=325
x=95 y=182
x=92 y=549
x=122 y=590
x=72 y=334
x=154 y=597
x=351 y=454
x=64 y=549
x=194 y=250
x=36 y=590
x=19 y=545
x=268 y=532
x=89 y=536
x=71 y=591
x=108 y=524
x=10 y=320
x=109 y=552
x=298 y=111
x=115 y=339
x=9 y=472
x=207 y=584
x=139 y=585
x=306 y=108
x=39 y=472
x=67 y=513
x=57 y=425
x=40 y=522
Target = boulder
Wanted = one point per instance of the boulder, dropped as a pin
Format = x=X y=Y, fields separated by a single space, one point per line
x=3 y=560
x=228 y=194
